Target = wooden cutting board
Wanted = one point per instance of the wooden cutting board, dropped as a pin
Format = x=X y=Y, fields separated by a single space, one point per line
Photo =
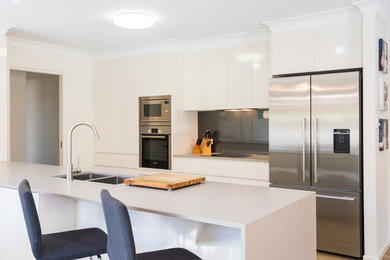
x=167 y=181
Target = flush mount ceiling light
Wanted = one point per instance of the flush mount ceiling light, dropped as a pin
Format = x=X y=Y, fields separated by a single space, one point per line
x=133 y=20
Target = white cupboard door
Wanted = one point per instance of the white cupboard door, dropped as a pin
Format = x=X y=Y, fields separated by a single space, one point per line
x=216 y=78
x=165 y=73
x=338 y=46
x=194 y=80
x=261 y=74
x=103 y=95
x=293 y=51
x=125 y=104
x=145 y=74
x=239 y=76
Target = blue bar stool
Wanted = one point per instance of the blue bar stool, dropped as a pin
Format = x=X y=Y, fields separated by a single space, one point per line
x=63 y=245
x=120 y=235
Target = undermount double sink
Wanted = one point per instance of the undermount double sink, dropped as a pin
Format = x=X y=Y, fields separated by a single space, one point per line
x=99 y=177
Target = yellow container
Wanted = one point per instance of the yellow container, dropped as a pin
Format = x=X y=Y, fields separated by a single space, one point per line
x=196 y=148
x=205 y=146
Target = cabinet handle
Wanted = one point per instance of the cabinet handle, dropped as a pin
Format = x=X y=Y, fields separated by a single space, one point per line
x=336 y=197
x=153 y=136
x=315 y=149
x=303 y=150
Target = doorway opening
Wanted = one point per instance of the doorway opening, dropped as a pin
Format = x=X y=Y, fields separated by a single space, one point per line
x=35 y=117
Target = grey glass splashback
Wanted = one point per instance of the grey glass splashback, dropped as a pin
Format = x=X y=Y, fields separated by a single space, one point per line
x=240 y=131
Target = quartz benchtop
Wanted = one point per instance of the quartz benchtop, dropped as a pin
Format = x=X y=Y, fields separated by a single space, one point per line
x=225 y=204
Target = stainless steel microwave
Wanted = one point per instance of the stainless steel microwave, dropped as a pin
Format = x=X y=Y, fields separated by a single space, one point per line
x=155 y=110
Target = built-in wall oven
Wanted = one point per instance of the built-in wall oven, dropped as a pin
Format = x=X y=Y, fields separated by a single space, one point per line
x=155 y=110
x=155 y=132
x=155 y=147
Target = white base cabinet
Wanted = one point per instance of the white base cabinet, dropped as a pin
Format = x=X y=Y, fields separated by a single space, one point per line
x=224 y=170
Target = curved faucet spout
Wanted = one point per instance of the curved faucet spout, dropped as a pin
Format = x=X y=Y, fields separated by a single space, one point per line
x=69 y=168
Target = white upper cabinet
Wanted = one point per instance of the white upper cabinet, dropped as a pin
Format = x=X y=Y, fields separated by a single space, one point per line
x=293 y=51
x=103 y=96
x=227 y=77
x=115 y=98
x=194 y=80
x=165 y=73
x=261 y=74
x=215 y=78
x=239 y=76
x=338 y=46
x=144 y=74
x=329 y=47
x=163 y=64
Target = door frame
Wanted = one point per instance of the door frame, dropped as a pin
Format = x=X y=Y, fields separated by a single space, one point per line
x=60 y=108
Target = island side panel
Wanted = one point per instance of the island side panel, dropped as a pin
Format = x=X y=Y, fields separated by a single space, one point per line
x=56 y=214
x=153 y=232
x=289 y=233
x=14 y=242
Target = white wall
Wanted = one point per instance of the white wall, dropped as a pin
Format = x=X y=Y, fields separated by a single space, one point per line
x=18 y=112
x=388 y=153
x=42 y=119
x=376 y=165
x=76 y=72
x=3 y=98
x=382 y=158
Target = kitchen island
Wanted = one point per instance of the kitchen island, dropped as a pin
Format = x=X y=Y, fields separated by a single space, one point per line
x=214 y=220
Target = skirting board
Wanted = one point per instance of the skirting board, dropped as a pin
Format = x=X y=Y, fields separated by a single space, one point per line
x=383 y=252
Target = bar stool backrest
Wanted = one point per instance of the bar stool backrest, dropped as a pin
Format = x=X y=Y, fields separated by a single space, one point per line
x=120 y=245
x=31 y=218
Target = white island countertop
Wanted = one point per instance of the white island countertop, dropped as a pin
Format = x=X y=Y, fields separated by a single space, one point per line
x=224 y=204
x=215 y=220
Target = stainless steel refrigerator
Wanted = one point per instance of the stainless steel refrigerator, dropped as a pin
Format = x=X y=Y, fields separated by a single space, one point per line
x=315 y=144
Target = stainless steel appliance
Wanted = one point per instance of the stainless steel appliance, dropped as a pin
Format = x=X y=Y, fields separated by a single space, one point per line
x=155 y=110
x=155 y=132
x=315 y=144
x=155 y=147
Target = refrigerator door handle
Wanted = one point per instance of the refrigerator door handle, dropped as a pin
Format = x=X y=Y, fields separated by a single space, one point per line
x=336 y=197
x=304 y=150
x=315 y=149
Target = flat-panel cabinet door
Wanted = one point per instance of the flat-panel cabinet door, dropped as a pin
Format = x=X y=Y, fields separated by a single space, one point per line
x=293 y=51
x=261 y=74
x=194 y=81
x=339 y=223
x=336 y=131
x=239 y=76
x=289 y=138
x=338 y=46
x=216 y=78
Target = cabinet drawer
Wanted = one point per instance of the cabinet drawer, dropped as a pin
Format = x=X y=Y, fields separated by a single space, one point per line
x=339 y=223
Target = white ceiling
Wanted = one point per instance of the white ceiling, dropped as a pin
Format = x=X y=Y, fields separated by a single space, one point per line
x=86 y=24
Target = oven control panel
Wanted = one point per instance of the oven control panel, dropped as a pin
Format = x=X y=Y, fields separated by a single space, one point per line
x=154 y=131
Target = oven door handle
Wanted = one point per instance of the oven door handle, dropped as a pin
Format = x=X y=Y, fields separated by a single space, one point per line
x=153 y=136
